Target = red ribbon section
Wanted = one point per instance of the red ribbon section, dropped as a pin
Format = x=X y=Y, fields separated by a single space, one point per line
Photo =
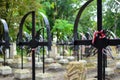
x=99 y=34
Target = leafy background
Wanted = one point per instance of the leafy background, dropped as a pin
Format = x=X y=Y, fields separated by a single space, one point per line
x=61 y=15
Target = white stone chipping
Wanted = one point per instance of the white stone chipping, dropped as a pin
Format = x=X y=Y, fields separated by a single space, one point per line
x=58 y=57
x=29 y=59
x=109 y=71
x=118 y=65
x=118 y=57
x=1 y=60
x=63 y=61
x=83 y=61
x=71 y=58
x=92 y=79
x=49 y=60
x=9 y=61
x=44 y=76
x=38 y=64
x=55 y=67
x=22 y=74
x=18 y=65
x=5 y=70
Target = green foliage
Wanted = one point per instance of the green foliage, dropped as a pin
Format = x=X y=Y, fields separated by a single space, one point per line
x=13 y=10
x=61 y=15
x=111 y=17
x=87 y=19
x=62 y=29
x=60 y=9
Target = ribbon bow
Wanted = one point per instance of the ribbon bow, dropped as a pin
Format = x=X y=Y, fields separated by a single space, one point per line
x=99 y=34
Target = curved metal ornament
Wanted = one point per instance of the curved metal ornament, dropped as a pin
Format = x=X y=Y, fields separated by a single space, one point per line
x=78 y=17
x=77 y=20
x=5 y=33
x=48 y=30
x=20 y=37
x=21 y=25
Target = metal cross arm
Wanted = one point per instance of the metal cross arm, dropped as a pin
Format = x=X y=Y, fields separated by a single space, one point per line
x=111 y=42
x=2 y=43
x=71 y=43
x=5 y=43
x=33 y=44
x=114 y=42
x=82 y=42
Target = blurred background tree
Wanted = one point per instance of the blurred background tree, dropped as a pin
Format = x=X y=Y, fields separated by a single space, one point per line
x=61 y=14
x=13 y=10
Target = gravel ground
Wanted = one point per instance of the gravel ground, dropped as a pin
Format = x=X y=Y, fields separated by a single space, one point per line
x=57 y=76
x=60 y=75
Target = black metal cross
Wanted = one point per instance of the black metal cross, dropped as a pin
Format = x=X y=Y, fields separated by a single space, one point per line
x=100 y=44
x=33 y=43
x=5 y=36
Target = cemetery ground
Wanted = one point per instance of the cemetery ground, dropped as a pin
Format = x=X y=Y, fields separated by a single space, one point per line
x=91 y=65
